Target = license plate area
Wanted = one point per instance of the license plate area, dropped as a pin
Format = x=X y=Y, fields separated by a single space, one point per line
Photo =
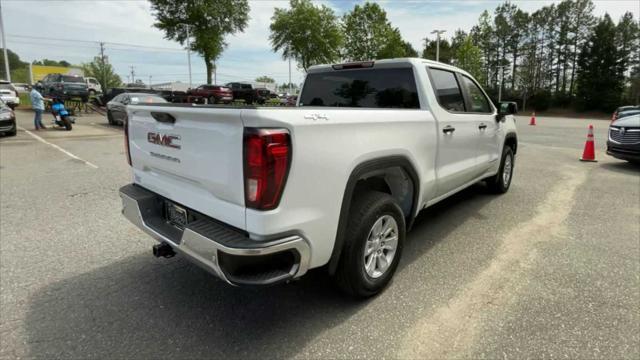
x=176 y=215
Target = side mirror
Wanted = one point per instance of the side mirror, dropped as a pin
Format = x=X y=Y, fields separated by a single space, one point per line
x=506 y=108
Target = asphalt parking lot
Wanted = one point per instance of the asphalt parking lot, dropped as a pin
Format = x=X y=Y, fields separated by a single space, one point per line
x=549 y=270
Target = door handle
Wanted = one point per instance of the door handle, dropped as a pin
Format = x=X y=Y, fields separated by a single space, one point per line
x=482 y=126
x=448 y=129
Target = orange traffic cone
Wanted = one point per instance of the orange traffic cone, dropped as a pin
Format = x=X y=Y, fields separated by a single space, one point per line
x=589 y=153
x=533 y=118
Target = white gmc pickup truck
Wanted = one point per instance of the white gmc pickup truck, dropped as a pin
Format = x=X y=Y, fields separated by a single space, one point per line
x=259 y=196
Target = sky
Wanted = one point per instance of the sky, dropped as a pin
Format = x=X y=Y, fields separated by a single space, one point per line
x=71 y=30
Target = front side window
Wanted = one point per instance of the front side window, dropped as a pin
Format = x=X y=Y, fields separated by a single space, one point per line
x=479 y=102
x=447 y=90
x=368 y=88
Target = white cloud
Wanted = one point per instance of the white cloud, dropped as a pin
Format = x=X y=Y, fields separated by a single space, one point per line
x=249 y=53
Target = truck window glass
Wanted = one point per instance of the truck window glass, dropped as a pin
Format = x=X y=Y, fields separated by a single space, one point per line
x=479 y=102
x=447 y=89
x=370 y=88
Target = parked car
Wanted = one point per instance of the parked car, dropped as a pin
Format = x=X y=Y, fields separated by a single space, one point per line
x=259 y=196
x=113 y=92
x=9 y=94
x=7 y=120
x=246 y=92
x=22 y=87
x=213 y=93
x=615 y=114
x=65 y=87
x=117 y=107
x=173 y=96
x=93 y=85
x=624 y=138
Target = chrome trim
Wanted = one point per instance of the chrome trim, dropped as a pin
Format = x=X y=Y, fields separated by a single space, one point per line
x=204 y=251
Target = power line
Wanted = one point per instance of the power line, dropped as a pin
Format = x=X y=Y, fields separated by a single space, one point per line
x=94 y=42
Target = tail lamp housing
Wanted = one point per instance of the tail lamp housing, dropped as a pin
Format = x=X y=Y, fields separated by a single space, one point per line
x=126 y=140
x=267 y=157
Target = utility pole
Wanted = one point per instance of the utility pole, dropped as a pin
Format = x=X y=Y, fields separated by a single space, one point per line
x=4 y=47
x=189 y=54
x=438 y=32
x=104 y=68
x=133 y=74
x=215 y=73
x=500 y=79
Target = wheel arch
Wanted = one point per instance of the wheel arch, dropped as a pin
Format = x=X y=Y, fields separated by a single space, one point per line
x=368 y=174
x=511 y=140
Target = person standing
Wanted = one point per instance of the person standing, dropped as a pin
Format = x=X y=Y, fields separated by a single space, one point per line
x=37 y=103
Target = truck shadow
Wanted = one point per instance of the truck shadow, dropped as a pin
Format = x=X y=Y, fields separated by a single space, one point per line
x=142 y=307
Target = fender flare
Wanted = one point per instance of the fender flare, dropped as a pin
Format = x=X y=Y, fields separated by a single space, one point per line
x=357 y=174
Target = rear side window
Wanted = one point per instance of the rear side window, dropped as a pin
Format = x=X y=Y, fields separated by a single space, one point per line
x=447 y=90
x=479 y=102
x=370 y=88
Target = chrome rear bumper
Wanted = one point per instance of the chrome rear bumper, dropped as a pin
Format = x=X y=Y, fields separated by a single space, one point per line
x=216 y=246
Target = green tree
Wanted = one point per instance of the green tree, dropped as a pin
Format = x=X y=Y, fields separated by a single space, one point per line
x=208 y=22
x=469 y=57
x=601 y=75
x=48 y=62
x=369 y=35
x=306 y=33
x=14 y=62
x=409 y=51
x=103 y=71
x=265 y=79
x=430 y=50
x=396 y=47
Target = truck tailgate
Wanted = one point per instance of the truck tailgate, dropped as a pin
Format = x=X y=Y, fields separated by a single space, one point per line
x=195 y=160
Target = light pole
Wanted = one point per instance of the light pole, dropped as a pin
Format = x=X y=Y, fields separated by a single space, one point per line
x=4 y=46
x=189 y=54
x=438 y=32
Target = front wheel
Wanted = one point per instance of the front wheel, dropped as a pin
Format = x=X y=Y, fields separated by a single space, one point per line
x=373 y=245
x=500 y=182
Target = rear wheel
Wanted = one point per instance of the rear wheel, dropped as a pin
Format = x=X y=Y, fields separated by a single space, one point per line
x=67 y=123
x=212 y=100
x=500 y=182
x=373 y=245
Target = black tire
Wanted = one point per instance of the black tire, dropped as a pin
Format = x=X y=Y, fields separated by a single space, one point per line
x=110 y=118
x=212 y=100
x=66 y=123
x=496 y=183
x=351 y=276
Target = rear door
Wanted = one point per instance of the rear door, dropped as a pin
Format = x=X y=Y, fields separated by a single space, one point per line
x=479 y=106
x=192 y=156
x=456 y=162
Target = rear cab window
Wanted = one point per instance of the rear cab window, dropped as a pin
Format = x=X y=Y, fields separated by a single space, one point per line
x=447 y=89
x=365 y=88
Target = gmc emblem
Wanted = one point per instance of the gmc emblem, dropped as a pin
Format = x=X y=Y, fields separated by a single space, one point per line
x=171 y=141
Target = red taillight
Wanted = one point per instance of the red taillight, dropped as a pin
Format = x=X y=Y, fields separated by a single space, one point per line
x=267 y=154
x=126 y=140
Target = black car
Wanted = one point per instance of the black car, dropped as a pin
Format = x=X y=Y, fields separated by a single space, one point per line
x=624 y=139
x=7 y=120
x=65 y=87
x=117 y=107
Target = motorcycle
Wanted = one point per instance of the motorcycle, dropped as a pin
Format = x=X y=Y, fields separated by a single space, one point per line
x=61 y=115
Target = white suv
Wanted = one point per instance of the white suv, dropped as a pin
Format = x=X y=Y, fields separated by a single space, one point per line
x=261 y=195
x=9 y=94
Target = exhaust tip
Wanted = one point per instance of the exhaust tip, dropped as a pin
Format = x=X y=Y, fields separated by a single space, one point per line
x=163 y=250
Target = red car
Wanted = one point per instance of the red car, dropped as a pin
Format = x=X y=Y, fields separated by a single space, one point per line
x=213 y=93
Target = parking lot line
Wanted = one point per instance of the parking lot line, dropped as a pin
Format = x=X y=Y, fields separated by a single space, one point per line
x=58 y=148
